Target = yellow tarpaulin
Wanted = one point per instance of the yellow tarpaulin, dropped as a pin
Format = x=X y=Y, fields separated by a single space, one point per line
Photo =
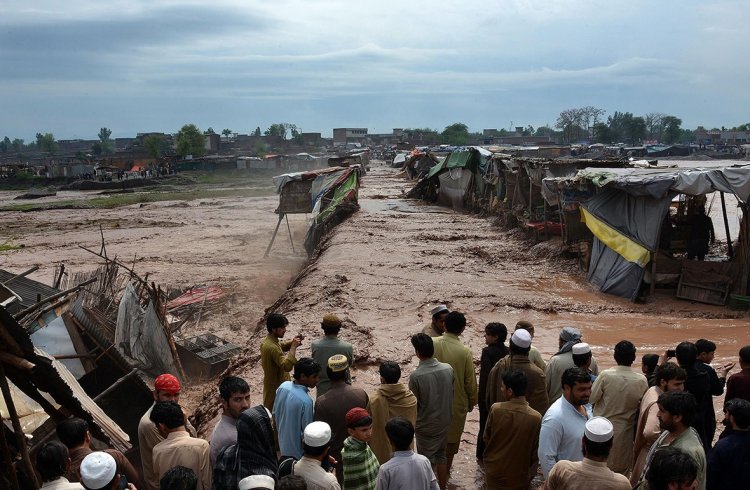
x=629 y=249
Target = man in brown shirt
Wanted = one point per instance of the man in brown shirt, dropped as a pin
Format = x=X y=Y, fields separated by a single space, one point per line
x=536 y=391
x=511 y=437
x=74 y=433
x=332 y=407
x=178 y=448
x=392 y=399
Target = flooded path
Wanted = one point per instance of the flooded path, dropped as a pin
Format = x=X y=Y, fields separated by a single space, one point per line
x=383 y=269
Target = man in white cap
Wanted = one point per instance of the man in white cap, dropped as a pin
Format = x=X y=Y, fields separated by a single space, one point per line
x=99 y=472
x=436 y=327
x=534 y=355
x=257 y=482
x=316 y=443
x=332 y=407
x=536 y=390
x=616 y=394
x=582 y=358
x=563 y=360
x=565 y=420
x=592 y=472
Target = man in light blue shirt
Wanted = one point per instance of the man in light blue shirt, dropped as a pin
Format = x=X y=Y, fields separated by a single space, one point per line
x=565 y=421
x=293 y=408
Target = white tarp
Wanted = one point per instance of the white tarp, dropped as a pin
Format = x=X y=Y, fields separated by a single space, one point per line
x=140 y=335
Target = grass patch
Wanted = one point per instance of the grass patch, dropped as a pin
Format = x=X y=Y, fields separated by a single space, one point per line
x=118 y=200
x=5 y=247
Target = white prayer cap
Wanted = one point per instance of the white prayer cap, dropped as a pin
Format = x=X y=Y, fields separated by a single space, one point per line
x=97 y=470
x=581 y=348
x=317 y=434
x=257 y=481
x=521 y=338
x=438 y=309
x=599 y=429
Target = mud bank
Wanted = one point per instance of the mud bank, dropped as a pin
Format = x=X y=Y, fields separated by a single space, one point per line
x=383 y=269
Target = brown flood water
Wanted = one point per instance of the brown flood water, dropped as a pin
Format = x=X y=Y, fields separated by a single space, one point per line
x=383 y=269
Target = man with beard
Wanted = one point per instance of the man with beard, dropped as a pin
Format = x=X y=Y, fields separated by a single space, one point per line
x=669 y=377
x=235 y=397
x=563 y=360
x=677 y=410
x=565 y=421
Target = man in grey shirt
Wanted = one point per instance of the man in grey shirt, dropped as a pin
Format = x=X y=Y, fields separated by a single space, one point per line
x=432 y=384
x=330 y=345
x=406 y=470
x=235 y=398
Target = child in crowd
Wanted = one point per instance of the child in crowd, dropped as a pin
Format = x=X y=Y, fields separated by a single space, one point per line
x=359 y=462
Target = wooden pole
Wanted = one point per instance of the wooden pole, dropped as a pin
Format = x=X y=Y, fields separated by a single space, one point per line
x=281 y=217
x=115 y=385
x=22 y=274
x=290 y=232
x=10 y=470
x=28 y=467
x=730 y=252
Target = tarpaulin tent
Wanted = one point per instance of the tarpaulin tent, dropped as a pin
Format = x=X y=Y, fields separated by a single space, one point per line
x=626 y=216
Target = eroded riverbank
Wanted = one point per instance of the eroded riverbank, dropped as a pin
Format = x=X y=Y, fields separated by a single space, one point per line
x=383 y=269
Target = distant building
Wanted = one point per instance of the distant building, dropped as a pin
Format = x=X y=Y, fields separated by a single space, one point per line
x=345 y=136
x=717 y=137
x=311 y=139
x=212 y=143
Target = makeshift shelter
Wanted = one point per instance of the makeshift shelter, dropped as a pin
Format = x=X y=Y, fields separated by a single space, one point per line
x=329 y=195
x=625 y=209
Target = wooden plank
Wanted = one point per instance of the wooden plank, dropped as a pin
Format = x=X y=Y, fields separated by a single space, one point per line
x=78 y=344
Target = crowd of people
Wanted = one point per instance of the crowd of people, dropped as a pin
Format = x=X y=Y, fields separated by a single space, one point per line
x=581 y=428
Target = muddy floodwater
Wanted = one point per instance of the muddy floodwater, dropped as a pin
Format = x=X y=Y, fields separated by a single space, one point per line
x=381 y=271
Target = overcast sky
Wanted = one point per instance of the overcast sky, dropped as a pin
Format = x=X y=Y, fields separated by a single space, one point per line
x=70 y=67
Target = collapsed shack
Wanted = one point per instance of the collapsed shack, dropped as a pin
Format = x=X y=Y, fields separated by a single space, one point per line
x=417 y=164
x=637 y=228
x=355 y=158
x=329 y=195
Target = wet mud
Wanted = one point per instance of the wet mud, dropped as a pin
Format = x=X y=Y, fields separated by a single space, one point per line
x=383 y=269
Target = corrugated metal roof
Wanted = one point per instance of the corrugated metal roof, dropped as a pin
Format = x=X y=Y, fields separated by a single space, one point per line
x=27 y=289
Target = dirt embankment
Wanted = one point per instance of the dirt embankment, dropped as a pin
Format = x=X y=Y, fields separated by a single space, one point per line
x=383 y=269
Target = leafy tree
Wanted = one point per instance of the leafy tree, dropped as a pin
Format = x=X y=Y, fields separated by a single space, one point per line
x=687 y=136
x=672 y=130
x=544 y=131
x=589 y=117
x=261 y=149
x=17 y=145
x=153 y=144
x=106 y=144
x=96 y=148
x=529 y=130
x=636 y=129
x=570 y=122
x=276 y=130
x=5 y=146
x=455 y=134
x=46 y=142
x=210 y=130
x=226 y=132
x=257 y=131
x=190 y=141
x=602 y=133
x=654 y=125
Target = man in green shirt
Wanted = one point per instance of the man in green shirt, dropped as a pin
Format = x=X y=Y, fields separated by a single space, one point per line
x=276 y=365
x=450 y=350
x=329 y=346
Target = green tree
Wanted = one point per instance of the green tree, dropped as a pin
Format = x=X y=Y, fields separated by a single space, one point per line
x=190 y=141
x=672 y=130
x=636 y=130
x=257 y=131
x=46 y=142
x=107 y=145
x=261 y=149
x=97 y=148
x=153 y=145
x=602 y=133
x=543 y=131
x=210 y=130
x=226 y=132
x=5 y=146
x=276 y=130
x=456 y=134
x=570 y=122
x=17 y=145
x=687 y=136
x=654 y=125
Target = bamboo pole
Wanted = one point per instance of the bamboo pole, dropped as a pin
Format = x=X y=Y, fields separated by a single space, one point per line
x=730 y=252
x=28 y=467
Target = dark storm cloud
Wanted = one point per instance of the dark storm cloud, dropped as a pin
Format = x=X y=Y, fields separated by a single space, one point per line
x=101 y=47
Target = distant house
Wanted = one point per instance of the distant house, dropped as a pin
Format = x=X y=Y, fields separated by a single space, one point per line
x=344 y=136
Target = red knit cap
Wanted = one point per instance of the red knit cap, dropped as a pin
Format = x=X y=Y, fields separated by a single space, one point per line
x=168 y=383
x=355 y=415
